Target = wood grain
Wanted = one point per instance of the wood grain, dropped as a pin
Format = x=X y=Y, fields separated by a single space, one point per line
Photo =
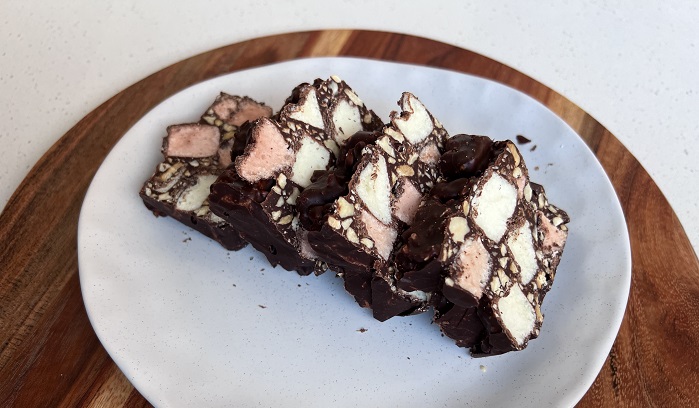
x=50 y=356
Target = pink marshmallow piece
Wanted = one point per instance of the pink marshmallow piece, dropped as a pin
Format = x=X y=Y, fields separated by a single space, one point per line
x=192 y=140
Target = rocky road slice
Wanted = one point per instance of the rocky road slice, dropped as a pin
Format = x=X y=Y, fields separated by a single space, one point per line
x=417 y=260
x=490 y=255
x=278 y=164
x=381 y=196
x=194 y=156
x=531 y=247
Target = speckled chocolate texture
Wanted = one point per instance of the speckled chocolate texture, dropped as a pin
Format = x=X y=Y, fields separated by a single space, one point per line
x=195 y=154
x=383 y=192
x=490 y=255
x=279 y=163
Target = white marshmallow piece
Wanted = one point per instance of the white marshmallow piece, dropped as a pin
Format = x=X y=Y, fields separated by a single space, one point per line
x=193 y=198
x=494 y=205
x=374 y=189
x=522 y=246
x=417 y=124
x=517 y=315
x=309 y=111
x=310 y=157
x=346 y=120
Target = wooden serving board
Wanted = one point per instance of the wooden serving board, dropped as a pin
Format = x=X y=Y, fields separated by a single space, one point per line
x=50 y=356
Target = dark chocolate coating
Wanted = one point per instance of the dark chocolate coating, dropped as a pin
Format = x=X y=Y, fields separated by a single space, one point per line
x=416 y=255
x=241 y=138
x=347 y=259
x=523 y=139
x=295 y=96
x=222 y=233
x=465 y=155
x=417 y=252
x=459 y=323
x=386 y=302
x=351 y=151
x=452 y=190
x=315 y=202
x=459 y=297
x=239 y=203
x=496 y=341
x=358 y=284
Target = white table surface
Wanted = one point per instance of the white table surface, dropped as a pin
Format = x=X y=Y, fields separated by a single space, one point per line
x=631 y=64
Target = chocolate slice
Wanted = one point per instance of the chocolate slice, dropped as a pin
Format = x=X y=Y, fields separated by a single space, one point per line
x=382 y=196
x=418 y=269
x=489 y=256
x=195 y=154
x=534 y=241
x=284 y=152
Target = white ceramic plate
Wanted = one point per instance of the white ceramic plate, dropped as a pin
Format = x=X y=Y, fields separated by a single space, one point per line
x=191 y=324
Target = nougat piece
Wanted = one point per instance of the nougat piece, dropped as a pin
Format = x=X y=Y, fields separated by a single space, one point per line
x=279 y=163
x=195 y=154
x=382 y=196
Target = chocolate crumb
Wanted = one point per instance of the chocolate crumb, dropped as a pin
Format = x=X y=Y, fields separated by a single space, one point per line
x=533 y=148
x=262 y=306
x=362 y=330
x=522 y=140
x=536 y=168
x=251 y=258
x=187 y=239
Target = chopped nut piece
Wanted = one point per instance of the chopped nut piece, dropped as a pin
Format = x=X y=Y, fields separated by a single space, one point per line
x=334 y=223
x=405 y=171
x=286 y=219
x=170 y=171
x=352 y=236
x=344 y=208
x=458 y=227
x=375 y=190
